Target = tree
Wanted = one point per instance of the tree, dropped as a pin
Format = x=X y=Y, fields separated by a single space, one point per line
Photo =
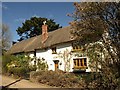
x=100 y=21
x=32 y=27
x=4 y=46
x=5 y=38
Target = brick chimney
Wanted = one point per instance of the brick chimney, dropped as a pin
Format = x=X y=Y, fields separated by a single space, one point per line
x=44 y=32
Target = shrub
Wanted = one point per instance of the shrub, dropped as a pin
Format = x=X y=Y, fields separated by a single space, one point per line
x=6 y=59
x=19 y=71
x=57 y=78
x=32 y=67
x=42 y=65
x=17 y=65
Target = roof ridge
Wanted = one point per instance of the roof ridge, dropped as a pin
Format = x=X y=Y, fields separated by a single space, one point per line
x=41 y=34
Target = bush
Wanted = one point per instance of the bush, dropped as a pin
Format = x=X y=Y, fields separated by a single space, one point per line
x=57 y=78
x=6 y=59
x=19 y=71
x=42 y=65
x=32 y=68
x=17 y=65
x=88 y=77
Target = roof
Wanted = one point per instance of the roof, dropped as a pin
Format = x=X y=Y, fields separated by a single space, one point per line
x=59 y=36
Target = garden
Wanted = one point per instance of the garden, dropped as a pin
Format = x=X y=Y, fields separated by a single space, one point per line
x=18 y=66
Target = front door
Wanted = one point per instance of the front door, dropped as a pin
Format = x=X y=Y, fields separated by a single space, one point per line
x=56 y=64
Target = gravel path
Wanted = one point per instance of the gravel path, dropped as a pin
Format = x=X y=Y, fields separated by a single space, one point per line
x=21 y=83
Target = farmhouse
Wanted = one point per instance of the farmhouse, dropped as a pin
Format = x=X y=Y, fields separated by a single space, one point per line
x=56 y=48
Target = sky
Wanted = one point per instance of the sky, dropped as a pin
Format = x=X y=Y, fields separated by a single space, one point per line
x=15 y=13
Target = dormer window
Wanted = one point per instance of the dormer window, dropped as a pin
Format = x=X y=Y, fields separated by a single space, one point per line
x=54 y=50
x=76 y=47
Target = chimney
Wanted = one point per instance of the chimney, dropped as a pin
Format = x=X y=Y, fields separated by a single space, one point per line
x=44 y=32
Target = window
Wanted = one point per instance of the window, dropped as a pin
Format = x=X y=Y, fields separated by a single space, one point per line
x=80 y=63
x=54 y=50
x=76 y=47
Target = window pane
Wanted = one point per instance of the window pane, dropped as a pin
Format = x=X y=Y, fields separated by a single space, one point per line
x=78 y=62
x=85 y=62
x=81 y=62
x=75 y=62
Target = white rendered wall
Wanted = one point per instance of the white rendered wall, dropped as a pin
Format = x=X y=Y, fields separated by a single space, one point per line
x=60 y=49
x=49 y=57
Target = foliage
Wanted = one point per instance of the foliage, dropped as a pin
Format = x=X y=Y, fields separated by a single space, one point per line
x=6 y=59
x=17 y=65
x=0 y=64
x=106 y=74
x=66 y=56
x=32 y=67
x=32 y=27
x=87 y=76
x=19 y=71
x=100 y=21
x=58 y=78
x=90 y=16
x=96 y=53
x=20 y=61
x=42 y=65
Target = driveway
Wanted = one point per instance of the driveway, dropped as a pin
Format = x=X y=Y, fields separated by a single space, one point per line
x=20 y=83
